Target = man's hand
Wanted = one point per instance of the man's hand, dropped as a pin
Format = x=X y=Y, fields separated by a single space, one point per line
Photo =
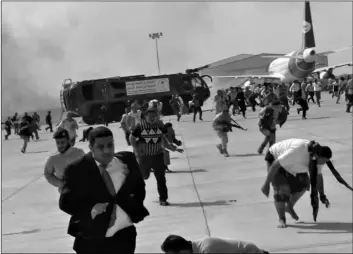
x=179 y=150
x=266 y=189
x=98 y=209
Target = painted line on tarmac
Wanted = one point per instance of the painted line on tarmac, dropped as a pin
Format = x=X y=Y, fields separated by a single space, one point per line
x=309 y=246
x=22 y=188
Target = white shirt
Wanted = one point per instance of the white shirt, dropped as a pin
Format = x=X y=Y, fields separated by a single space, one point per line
x=118 y=172
x=317 y=87
x=295 y=87
x=293 y=155
x=136 y=116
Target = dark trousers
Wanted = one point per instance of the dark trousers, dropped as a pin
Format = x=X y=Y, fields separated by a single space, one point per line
x=296 y=95
x=199 y=110
x=123 y=242
x=8 y=133
x=270 y=139
x=176 y=111
x=242 y=107
x=311 y=96
x=127 y=138
x=17 y=128
x=296 y=184
x=253 y=103
x=234 y=103
x=304 y=107
x=285 y=103
x=156 y=163
x=350 y=102
x=318 y=97
x=50 y=127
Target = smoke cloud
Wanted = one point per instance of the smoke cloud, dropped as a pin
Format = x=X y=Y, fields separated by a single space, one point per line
x=45 y=43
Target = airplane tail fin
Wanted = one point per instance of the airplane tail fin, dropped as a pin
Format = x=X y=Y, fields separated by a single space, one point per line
x=308 y=29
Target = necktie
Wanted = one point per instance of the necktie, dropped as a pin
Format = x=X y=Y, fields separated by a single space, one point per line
x=110 y=186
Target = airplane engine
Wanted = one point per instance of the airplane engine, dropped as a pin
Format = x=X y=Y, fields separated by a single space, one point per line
x=309 y=55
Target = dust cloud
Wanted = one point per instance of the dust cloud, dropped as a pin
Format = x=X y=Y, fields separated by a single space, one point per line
x=45 y=43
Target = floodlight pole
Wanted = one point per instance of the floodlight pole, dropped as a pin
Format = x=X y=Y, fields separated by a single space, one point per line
x=155 y=37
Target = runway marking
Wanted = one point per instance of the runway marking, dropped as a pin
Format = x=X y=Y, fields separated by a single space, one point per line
x=311 y=246
x=195 y=187
x=22 y=188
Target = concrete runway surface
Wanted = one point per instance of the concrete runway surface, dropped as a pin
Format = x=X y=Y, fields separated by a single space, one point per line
x=209 y=194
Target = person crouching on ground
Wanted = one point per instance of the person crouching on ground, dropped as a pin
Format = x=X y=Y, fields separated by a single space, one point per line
x=170 y=136
x=177 y=244
x=269 y=116
x=288 y=167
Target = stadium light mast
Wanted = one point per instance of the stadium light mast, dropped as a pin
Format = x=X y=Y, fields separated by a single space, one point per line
x=156 y=37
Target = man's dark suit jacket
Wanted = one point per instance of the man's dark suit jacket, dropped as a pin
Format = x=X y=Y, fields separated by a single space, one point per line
x=84 y=188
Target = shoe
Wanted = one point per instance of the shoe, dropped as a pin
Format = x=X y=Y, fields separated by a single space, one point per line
x=23 y=150
x=298 y=111
x=164 y=203
x=259 y=151
x=303 y=118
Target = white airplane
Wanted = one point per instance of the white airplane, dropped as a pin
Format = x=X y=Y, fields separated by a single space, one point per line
x=295 y=65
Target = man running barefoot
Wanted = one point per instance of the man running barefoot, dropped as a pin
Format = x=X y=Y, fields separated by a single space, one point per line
x=288 y=170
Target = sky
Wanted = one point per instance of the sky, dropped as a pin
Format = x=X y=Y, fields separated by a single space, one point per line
x=44 y=43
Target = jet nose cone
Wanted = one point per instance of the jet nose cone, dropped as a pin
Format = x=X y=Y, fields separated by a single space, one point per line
x=313 y=52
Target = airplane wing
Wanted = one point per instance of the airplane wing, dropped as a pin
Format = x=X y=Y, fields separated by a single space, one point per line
x=239 y=65
x=332 y=67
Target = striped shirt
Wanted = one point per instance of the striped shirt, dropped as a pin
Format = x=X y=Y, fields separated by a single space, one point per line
x=149 y=137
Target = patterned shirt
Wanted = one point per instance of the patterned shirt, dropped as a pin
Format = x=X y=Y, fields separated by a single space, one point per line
x=149 y=137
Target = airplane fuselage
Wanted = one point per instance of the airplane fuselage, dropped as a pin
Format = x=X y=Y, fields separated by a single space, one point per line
x=290 y=69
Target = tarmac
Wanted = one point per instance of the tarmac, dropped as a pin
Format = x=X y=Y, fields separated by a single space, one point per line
x=210 y=195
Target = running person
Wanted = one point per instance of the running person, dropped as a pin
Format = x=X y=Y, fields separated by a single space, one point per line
x=56 y=164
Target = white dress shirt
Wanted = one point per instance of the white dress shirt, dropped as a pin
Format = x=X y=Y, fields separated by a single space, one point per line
x=118 y=172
